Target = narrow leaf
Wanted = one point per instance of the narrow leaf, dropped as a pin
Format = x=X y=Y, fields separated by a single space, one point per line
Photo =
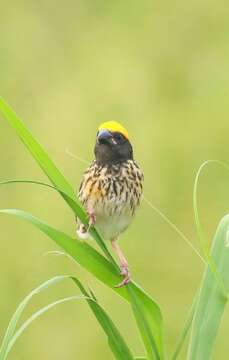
x=115 y=340
x=149 y=335
x=212 y=300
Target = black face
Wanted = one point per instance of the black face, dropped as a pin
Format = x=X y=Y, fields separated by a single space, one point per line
x=112 y=148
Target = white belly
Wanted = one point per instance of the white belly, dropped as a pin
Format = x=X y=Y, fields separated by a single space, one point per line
x=111 y=227
x=112 y=218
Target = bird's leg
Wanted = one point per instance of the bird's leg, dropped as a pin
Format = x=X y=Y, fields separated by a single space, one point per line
x=124 y=268
x=91 y=216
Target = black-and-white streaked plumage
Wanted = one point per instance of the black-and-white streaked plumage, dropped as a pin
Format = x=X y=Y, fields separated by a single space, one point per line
x=113 y=192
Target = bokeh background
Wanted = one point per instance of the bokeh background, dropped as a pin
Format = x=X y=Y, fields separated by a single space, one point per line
x=160 y=68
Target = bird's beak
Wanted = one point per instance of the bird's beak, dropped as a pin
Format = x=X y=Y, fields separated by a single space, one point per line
x=104 y=137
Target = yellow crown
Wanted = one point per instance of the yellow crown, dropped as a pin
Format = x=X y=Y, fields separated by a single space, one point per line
x=114 y=126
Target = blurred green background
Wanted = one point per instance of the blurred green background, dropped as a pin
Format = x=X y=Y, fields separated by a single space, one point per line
x=160 y=68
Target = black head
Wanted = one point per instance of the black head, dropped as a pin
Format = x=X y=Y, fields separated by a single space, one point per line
x=112 y=148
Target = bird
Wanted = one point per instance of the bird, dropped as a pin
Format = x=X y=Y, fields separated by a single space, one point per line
x=111 y=189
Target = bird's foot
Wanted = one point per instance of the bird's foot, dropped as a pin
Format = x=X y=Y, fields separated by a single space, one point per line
x=91 y=217
x=124 y=271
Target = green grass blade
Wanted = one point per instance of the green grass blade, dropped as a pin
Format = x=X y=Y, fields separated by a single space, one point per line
x=149 y=335
x=17 y=315
x=102 y=269
x=212 y=300
x=115 y=340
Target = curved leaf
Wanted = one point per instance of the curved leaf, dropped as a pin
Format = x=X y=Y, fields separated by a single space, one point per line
x=149 y=337
x=116 y=342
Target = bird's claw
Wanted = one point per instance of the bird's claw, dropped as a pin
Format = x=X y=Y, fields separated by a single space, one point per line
x=124 y=271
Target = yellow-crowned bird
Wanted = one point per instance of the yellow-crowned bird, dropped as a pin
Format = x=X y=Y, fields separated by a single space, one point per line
x=111 y=188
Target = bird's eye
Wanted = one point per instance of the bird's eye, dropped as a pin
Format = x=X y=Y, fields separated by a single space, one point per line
x=118 y=137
